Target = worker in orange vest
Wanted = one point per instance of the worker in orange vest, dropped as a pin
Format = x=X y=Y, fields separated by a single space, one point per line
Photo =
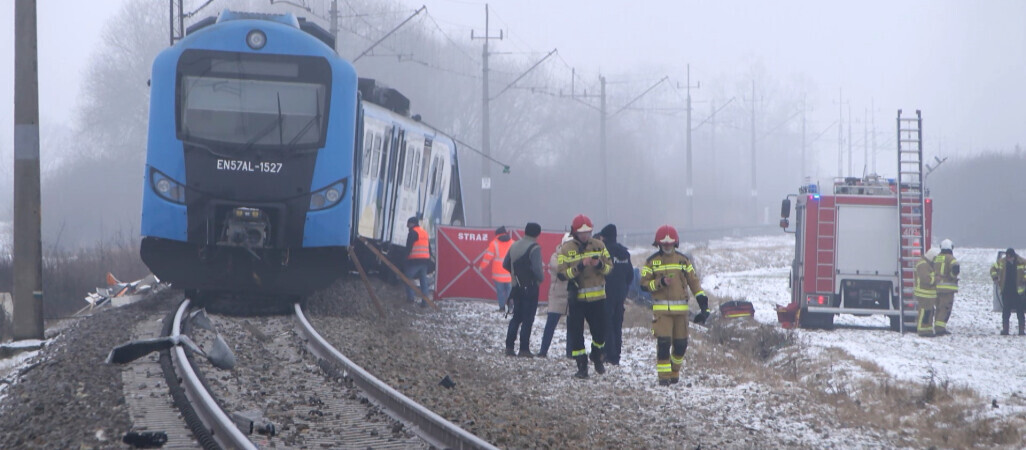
x=494 y=255
x=418 y=259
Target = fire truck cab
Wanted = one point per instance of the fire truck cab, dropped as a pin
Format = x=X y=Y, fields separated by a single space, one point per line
x=855 y=250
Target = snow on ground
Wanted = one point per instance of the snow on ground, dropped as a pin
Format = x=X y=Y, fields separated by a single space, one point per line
x=20 y=359
x=974 y=355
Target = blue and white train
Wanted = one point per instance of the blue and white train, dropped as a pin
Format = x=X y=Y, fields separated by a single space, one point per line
x=267 y=156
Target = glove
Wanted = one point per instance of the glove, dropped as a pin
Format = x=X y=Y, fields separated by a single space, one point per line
x=700 y=317
x=703 y=303
x=561 y=276
x=664 y=281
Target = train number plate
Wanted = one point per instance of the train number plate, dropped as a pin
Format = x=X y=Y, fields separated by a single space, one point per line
x=234 y=165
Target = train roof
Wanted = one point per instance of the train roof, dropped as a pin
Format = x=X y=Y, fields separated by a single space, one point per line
x=289 y=19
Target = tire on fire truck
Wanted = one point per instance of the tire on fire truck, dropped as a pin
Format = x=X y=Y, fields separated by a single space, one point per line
x=808 y=319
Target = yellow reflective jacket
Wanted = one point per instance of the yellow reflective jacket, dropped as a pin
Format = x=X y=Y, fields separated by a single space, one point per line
x=946 y=267
x=590 y=280
x=926 y=280
x=679 y=272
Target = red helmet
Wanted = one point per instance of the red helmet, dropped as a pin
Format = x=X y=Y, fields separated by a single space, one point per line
x=581 y=224
x=666 y=235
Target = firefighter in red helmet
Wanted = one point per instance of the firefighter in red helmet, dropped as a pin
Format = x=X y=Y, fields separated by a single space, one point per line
x=668 y=275
x=584 y=262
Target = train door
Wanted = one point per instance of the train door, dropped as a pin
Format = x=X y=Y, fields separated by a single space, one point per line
x=454 y=213
x=435 y=187
x=393 y=166
x=370 y=186
x=406 y=192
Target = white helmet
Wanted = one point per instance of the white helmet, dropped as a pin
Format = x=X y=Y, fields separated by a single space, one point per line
x=932 y=253
x=946 y=244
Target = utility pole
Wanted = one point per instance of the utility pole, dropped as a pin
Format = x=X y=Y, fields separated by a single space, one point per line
x=840 y=133
x=865 y=140
x=850 y=171
x=28 y=249
x=755 y=191
x=872 y=108
x=803 y=173
x=486 y=145
x=712 y=142
x=691 y=182
x=176 y=32
x=333 y=12
x=602 y=146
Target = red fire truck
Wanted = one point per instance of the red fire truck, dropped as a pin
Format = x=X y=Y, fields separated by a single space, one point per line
x=856 y=249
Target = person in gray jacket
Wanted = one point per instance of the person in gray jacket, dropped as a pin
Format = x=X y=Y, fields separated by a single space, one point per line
x=524 y=263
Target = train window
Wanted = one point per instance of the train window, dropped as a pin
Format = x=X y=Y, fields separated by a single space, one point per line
x=377 y=156
x=433 y=187
x=383 y=150
x=416 y=170
x=454 y=184
x=368 y=151
x=410 y=177
x=436 y=176
x=253 y=100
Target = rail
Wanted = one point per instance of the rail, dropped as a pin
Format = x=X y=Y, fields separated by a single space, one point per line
x=429 y=426
x=220 y=425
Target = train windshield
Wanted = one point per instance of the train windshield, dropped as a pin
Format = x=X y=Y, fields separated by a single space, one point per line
x=245 y=100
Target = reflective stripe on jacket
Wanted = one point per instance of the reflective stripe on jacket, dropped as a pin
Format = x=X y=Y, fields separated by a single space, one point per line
x=925 y=286
x=680 y=275
x=946 y=267
x=591 y=280
x=997 y=273
x=422 y=246
x=496 y=252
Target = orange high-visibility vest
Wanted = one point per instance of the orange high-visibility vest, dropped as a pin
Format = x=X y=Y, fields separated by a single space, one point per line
x=495 y=255
x=421 y=247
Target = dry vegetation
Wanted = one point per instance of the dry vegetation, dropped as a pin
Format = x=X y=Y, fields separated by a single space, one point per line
x=68 y=275
x=934 y=412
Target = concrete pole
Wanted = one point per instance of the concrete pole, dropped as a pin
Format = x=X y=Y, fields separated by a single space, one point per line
x=602 y=149
x=691 y=173
x=28 y=250
x=850 y=170
x=755 y=187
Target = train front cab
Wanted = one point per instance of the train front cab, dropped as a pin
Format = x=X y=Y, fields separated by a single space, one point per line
x=248 y=175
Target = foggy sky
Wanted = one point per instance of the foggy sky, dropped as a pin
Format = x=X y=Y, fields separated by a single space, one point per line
x=960 y=62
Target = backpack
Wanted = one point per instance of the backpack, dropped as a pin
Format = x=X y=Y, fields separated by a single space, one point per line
x=522 y=269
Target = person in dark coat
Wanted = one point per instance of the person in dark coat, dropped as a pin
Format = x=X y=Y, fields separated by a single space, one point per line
x=618 y=282
x=524 y=263
x=1010 y=275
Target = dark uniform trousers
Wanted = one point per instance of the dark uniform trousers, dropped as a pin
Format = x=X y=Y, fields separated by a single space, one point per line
x=595 y=313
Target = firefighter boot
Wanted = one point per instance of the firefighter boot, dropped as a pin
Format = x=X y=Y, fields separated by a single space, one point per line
x=596 y=357
x=1022 y=329
x=1004 y=327
x=582 y=366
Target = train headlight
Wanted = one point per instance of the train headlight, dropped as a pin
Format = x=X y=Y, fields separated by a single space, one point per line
x=167 y=188
x=329 y=196
x=256 y=39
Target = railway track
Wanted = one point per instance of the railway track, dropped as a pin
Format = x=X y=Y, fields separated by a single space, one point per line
x=289 y=388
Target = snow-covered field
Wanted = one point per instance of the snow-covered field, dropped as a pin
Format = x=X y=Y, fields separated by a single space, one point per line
x=974 y=355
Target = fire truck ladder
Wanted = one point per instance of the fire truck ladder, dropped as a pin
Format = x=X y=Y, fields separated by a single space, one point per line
x=911 y=203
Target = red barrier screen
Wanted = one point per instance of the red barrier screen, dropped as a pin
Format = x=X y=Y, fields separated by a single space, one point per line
x=460 y=250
